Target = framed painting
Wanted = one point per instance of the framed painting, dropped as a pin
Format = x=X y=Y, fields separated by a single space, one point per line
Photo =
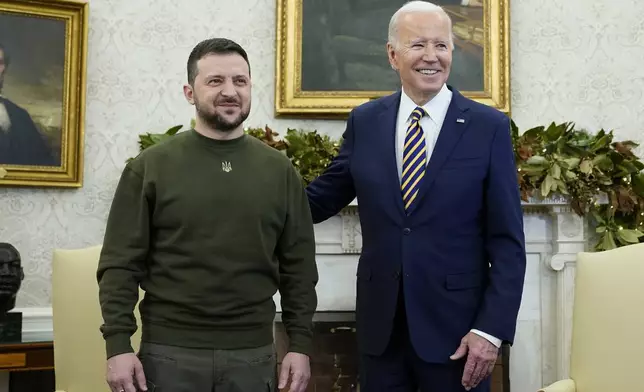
x=331 y=54
x=43 y=51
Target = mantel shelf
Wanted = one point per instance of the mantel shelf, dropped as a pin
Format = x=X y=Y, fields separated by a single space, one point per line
x=557 y=200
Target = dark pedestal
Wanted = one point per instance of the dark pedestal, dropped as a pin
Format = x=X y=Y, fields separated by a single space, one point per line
x=32 y=381
x=11 y=327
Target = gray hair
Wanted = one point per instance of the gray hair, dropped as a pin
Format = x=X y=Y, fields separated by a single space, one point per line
x=416 y=6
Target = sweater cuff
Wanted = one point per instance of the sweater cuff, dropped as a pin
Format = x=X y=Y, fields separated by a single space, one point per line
x=118 y=344
x=300 y=343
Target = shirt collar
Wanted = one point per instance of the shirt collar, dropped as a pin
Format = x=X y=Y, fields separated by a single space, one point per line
x=436 y=108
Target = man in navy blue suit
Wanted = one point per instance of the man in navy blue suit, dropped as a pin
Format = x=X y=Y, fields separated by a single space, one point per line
x=440 y=277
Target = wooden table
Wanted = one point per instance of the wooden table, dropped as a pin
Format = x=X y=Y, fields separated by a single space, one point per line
x=30 y=363
x=24 y=356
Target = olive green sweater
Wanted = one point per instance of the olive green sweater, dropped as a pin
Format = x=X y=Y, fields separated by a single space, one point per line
x=210 y=230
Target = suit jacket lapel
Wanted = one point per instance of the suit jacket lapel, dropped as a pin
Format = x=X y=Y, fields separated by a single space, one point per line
x=386 y=131
x=456 y=121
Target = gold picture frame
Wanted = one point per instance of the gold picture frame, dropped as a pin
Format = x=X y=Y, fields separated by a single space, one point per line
x=45 y=81
x=485 y=39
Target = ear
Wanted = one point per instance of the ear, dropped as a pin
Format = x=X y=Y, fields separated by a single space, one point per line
x=391 y=55
x=188 y=93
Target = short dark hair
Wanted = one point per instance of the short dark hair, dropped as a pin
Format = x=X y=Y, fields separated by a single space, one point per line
x=4 y=54
x=212 y=46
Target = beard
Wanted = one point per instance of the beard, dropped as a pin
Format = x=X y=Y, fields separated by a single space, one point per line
x=219 y=122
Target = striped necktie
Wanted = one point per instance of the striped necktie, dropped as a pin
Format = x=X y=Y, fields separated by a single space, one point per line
x=414 y=158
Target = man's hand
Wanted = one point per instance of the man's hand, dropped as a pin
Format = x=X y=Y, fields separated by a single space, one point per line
x=123 y=371
x=296 y=366
x=481 y=358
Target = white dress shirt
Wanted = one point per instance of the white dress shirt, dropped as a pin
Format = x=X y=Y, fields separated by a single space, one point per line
x=431 y=125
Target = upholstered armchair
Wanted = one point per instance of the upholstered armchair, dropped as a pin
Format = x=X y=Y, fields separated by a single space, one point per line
x=608 y=322
x=79 y=349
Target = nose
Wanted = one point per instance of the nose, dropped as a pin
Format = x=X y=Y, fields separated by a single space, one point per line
x=429 y=54
x=228 y=89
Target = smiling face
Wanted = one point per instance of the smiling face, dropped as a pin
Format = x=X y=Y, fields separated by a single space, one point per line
x=422 y=53
x=221 y=91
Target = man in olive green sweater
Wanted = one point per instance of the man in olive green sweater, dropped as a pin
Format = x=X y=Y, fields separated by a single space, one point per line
x=210 y=223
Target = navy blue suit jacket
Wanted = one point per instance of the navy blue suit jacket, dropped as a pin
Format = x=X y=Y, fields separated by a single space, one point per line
x=460 y=251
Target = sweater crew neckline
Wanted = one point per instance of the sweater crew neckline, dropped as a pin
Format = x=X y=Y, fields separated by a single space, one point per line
x=218 y=143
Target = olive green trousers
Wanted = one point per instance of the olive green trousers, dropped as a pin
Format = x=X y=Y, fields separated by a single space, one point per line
x=178 y=369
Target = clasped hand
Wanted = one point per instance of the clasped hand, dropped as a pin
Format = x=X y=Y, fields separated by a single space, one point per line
x=481 y=358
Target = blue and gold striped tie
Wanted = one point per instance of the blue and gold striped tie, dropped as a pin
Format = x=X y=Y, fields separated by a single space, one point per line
x=414 y=158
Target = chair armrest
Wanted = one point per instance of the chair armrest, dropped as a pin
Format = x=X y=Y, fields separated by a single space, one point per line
x=560 y=386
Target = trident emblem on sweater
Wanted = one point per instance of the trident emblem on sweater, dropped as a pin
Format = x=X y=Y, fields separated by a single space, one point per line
x=226 y=166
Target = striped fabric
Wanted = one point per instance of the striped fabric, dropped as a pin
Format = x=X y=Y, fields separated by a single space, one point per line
x=414 y=158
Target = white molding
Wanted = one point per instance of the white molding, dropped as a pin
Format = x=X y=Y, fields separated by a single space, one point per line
x=37 y=323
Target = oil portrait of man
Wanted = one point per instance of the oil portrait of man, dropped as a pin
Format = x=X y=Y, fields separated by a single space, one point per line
x=32 y=53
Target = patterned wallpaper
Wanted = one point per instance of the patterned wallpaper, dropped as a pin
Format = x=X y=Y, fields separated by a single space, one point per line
x=571 y=60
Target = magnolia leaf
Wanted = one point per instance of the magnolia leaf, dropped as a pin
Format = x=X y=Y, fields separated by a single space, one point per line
x=514 y=130
x=533 y=133
x=629 y=167
x=561 y=186
x=639 y=165
x=156 y=138
x=572 y=162
x=603 y=162
x=601 y=142
x=637 y=180
x=600 y=229
x=586 y=166
x=600 y=219
x=536 y=160
x=173 y=130
x=627 y=143
x=554 y=131
x=546 y=185
x=532 y=170
x=570 y=175
x=630 y=236
x=615 y=157
x=572 y=150
x=620 y=171
x=555 y=171
x=608 y=241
